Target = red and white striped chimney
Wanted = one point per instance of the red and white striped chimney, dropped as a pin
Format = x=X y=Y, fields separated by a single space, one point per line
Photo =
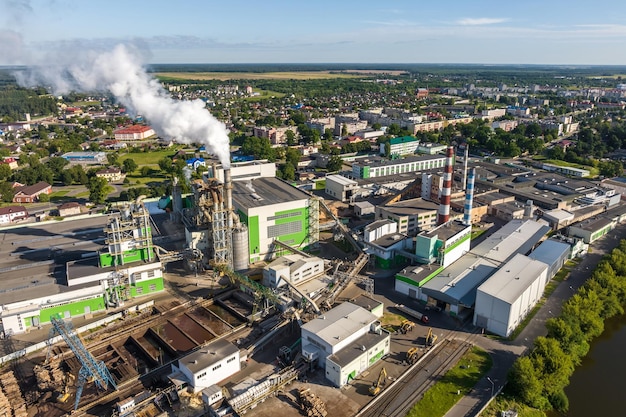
x=444 y=206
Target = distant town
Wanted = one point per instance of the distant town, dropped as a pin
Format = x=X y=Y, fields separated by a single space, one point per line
x=371 y=226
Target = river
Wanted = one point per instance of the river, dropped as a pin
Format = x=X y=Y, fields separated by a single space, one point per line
x=597 y=386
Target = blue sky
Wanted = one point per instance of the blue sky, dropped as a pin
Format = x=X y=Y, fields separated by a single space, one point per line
x=235 y=31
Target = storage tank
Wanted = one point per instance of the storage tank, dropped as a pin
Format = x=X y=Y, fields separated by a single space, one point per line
x=241 y=256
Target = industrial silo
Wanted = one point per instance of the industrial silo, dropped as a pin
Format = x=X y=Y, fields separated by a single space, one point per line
x=241 y=255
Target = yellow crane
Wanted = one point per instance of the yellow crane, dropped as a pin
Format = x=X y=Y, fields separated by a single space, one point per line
x=379 y=384
x=431 y=338
x=412 y=355
x=406 y=326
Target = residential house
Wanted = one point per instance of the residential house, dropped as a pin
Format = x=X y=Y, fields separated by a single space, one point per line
x=31 y=193
x=111 y=174
x=12 y=213
x=69 y=209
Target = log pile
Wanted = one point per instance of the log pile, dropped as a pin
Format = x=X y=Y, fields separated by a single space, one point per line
x=13 y=395
x=310 y=404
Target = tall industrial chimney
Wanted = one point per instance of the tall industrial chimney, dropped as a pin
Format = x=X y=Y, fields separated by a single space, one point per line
x=465 y=158
x=444 y=206
x=469 y=198
x=228 y=188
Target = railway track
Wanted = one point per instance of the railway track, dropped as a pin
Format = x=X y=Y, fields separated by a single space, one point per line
x=397 y=399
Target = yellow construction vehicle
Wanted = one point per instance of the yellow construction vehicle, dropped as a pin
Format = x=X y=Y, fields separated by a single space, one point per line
x=406 y=326
x=412 y=355
x=431 y=338
x=379 y=384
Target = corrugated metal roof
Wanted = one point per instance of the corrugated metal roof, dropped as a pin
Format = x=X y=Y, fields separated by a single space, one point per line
x=340 y=323
x=513 y=278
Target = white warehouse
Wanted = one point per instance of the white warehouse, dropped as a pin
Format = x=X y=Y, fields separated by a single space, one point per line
x=208 y=366
x=509 y=295
x=344 y=341
x=296 y=269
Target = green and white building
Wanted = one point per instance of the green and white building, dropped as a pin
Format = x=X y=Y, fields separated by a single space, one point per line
x=403 y=145
x=344 y=341
x=274 y=210
x=128 y=268
x=379 y=167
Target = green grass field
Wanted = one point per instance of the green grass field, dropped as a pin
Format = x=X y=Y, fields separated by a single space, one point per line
x=148 y=158
x=461 y=378
x=264 y=95
x=225 y=76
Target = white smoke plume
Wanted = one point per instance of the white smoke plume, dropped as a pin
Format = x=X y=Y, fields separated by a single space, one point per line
x=120 y=71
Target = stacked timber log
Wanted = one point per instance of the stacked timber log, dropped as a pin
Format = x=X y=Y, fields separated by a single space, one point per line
x=12 y=392
x=310 y=404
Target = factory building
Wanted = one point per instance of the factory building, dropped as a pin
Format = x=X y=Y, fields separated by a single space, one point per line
x=345 y=341
x=274 y=210
x=389 y=247
x=128 y=269
x=444 y=244
x=295 y=269
x=453 y=289
x=412 y=216
x=207 y=366
x=341 y=188
x=553 y=253
x=378 y=167
x=592 y=229
x=506 y=298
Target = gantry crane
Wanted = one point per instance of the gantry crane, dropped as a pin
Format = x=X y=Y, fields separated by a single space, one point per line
x=92 y=369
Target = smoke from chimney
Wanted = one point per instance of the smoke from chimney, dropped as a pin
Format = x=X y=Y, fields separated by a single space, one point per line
x=120 y=71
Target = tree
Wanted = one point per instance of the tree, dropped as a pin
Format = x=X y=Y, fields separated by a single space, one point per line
x=291 y=137
x=288 y=172
x=112 y=158
x=43 y=198
x=166 y=165
x=56 y=165
x=98 y=190
x=334 y=164
x=129 y=165
x=7 y=192
x=5 y=172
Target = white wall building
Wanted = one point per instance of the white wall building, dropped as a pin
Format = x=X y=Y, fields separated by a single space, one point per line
x=296 y=269
x=344 y=341
x=378 y=229
x=329 y=333
x=209 y=365
x=340 y=187
x=504 y=300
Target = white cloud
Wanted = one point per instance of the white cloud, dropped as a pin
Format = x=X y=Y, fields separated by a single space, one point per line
x=469 y=21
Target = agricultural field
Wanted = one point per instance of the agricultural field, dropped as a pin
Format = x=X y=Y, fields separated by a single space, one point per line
x=225 y=76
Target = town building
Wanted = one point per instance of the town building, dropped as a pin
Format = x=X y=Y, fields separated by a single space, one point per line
x=69 y=209
x=111 y=174
x=87 y=158
x=134 y=132
x=31 y=193
x=12 y=214
x=400 y=146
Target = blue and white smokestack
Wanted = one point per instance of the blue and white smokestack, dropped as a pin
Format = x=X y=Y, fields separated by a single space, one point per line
x=469 y=198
